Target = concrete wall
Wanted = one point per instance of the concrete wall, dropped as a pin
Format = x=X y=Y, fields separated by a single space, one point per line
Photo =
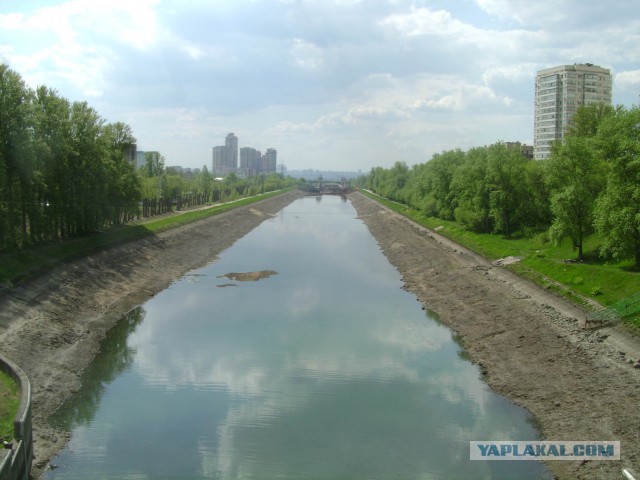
x=15 y=463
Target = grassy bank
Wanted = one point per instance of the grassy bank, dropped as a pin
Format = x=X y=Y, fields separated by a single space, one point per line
x=9 y=404
x=552 y=267
x=25 y=263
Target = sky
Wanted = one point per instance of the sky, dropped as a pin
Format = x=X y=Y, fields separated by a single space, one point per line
x=340 y=85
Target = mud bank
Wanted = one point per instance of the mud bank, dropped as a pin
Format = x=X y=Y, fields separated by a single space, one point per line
x=52 y=326
x=526 y=340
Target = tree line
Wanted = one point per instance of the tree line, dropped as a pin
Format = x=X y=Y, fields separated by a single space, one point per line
x=64 y=169
x=590 y=183
x=62 y=166
x=165 y=189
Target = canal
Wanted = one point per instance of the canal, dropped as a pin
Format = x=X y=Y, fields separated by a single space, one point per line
x=295 y=355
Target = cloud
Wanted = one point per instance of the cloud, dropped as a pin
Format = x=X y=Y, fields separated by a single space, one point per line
x=424 y=21
x=629 y=81
x=56 y=43
x=324 y=82
x=305 y=54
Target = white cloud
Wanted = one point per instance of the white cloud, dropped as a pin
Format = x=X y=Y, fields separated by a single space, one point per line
x=629 y=80
x=305 y=54
x=334 y=84
x=58 y=46
x=423 y=21
x=524 y=11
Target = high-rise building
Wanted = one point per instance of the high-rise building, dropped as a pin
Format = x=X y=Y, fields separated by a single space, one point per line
x=219 y=159
x=559 y=93
x=231 y=142
x=270 y=160
x=250 y=160
x=225 y=157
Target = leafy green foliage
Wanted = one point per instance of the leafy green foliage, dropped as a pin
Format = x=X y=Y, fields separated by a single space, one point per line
x=63 y=170
x=34 y=259
x=484 y=189
x=576 y=178
x=542 y=262
x=617 y=210
x=591 y=182
x=9 y=404
x=66 y=172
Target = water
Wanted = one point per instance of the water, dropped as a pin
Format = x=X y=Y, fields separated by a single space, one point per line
x=327 y=370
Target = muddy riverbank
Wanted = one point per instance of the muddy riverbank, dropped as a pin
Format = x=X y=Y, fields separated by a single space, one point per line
x=526 y=340
x=53 y=325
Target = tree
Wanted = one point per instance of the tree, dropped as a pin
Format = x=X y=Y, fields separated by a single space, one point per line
x=617 y=210
x=53 y=134
x=536 y=203
x=16 y=157
x=153 y=164
x=122 y=184
x=204 y=181
x=587 y=119
x=576 y=178
x=62 y=170
x=469 y=185
x=435 y=179
x=505 y=176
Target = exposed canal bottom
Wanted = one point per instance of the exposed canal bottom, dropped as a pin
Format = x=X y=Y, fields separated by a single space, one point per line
x=327 y=369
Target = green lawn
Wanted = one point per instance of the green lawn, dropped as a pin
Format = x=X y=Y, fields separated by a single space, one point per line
x=604 y=282
x=9 y=403
x=24 y=263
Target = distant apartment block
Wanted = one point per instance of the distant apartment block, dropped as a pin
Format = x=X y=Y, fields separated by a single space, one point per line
x=270 y=161
x=560 y=91
x=252 y=162
x=225 y=157
x=250 y=159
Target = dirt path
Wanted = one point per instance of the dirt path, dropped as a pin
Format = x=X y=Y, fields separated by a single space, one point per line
x=526 y=340
x=52 y=326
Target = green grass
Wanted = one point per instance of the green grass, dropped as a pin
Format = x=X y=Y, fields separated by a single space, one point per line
x=17 y=266
x=596 y=279
x=9 y=404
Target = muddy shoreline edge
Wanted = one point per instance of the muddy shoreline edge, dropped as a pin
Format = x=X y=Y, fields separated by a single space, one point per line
x=526 y=341
x=52 y=326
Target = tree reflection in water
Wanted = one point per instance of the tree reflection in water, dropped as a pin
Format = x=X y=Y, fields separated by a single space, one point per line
x=115 y=356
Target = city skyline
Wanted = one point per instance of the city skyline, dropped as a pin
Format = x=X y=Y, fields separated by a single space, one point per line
x=246 y=161
x=335 y=85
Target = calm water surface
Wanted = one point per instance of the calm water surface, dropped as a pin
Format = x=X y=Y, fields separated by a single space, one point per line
x=327 y=370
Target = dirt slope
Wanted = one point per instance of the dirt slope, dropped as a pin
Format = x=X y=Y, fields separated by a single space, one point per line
x=526 y=340
x=52 y=326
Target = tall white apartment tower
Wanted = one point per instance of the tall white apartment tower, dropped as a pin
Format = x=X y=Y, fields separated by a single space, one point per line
x=559 y=93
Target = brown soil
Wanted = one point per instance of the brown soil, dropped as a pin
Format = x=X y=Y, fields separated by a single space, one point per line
x=52 y=326
x=248 y=276
x=527 y=341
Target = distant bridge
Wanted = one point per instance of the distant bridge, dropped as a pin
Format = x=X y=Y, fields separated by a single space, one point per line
x=321 y=187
